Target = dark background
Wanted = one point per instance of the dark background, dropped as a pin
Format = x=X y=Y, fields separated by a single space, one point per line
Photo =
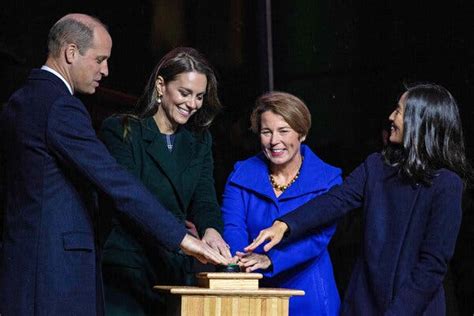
x=347 y=60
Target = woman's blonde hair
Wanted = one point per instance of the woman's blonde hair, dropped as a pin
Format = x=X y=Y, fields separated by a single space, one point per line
x=291 y=108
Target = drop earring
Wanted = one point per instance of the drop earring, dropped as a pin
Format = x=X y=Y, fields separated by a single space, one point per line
x=158 y=99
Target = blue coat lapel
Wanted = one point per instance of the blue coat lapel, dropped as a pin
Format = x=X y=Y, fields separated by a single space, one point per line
x=253 y=175
x=314 y=176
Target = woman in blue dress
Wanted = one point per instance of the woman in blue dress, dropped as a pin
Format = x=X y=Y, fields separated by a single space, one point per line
x=285 y=175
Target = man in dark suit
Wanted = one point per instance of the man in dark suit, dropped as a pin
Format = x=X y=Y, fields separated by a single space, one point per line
x=49 y=262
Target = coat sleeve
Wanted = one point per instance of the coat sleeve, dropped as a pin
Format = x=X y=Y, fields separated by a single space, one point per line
x=290 y=255
x=234 y=214
x=205 y=211
x=436 y=249
x=327 y=208
x=72 y=139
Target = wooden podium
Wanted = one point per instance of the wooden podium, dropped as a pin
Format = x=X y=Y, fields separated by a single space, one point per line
x=228 y=294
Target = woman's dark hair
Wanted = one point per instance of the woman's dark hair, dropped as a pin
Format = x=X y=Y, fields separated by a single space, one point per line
x=177 y=61
x=432 y=136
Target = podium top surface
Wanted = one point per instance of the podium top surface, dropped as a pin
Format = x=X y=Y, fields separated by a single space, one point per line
x=229 y=275
x=194 y=290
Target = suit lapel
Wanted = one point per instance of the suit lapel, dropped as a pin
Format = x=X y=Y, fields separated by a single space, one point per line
x=41 y=74
x=184 y=150
x=401 y=199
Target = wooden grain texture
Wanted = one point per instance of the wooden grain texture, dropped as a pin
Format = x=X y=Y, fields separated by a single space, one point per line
x=193 y=305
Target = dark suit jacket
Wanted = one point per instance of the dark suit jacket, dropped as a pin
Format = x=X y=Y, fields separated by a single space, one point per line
x=182 y=180
x=409 y=236
x=53 y=159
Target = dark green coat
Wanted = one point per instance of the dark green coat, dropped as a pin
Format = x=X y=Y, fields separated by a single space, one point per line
x=182 y=180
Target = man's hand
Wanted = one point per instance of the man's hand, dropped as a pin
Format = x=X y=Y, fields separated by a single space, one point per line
x=201 y=251
x=253 y=261
x=274 y=234
x=214 y=240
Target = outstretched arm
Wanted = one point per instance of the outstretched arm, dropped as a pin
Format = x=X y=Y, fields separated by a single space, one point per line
x=291 y=255
x=234 y=215
x=273 y=235
x=74 y=142
x=320 y=211
x=205 y=212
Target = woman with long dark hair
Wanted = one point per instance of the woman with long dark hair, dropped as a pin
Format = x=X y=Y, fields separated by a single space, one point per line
x=165 y=142
x=411 y=198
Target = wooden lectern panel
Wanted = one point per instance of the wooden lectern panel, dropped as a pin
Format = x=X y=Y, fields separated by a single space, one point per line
x=235 y=295
x=233 y=306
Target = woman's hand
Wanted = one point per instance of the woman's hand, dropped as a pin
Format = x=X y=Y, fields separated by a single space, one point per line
x=201 y=251
x=234 y=260
x=253 y=261
x=214 y=240
x=274 y=234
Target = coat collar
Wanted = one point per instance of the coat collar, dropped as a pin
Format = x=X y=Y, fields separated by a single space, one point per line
x=57 y=74
x=315 y=175
x=173 y=163
x=40 y=74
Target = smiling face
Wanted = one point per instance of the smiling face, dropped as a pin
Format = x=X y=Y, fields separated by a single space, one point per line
x=181 y=98
x=280 y=143
x=88 y=69
x=396 y=120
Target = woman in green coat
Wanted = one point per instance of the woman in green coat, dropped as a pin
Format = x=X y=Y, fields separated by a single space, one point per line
x=165 y=143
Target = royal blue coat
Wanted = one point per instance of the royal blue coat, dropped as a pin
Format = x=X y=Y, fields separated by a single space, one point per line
x=53 y=161
x=409 y=236
x=249 y=205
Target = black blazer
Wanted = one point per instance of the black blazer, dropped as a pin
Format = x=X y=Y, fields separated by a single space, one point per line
x=409 y=236
x=183 y=181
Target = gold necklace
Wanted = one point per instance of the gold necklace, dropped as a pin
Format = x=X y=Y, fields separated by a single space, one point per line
x=283 y=187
